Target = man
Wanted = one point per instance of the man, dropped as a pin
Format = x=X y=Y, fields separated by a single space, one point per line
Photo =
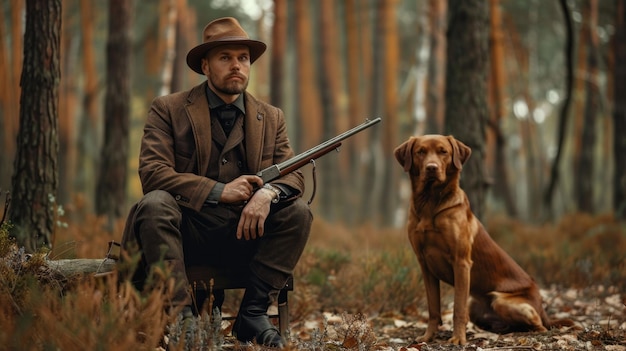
x=203 y=203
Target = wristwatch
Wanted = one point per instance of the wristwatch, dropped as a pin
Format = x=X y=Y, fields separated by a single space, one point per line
x=275 y=190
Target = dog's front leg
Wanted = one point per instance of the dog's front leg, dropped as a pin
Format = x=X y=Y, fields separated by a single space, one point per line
x=432 y=285
x=462 y=268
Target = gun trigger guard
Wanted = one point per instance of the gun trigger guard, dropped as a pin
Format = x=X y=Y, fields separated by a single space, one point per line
x=314 y=182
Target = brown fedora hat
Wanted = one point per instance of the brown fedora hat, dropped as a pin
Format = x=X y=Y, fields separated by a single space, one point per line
x=222 y=31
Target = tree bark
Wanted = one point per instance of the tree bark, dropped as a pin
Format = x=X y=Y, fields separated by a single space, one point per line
x=279 y=52
x=13 y=65
x=498 y=97
x=310 y=115
x=564 y=113
x=333 y=120
x=88 y=139
x=619 y=113
x=70 y=267
x=35 y=178
x=584 y=176
x=111 y=188
x=391 y=50
x=435 y=98
x=466 y=90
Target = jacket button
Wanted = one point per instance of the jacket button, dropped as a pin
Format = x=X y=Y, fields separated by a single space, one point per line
x=177 y=197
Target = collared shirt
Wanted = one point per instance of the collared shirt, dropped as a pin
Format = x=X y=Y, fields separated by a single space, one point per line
x=226 y=113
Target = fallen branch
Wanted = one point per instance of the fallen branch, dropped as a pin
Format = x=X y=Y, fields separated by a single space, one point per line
x=69 y=267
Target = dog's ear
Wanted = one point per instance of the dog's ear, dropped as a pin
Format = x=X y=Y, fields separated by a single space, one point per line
x=460 y=152
x=403 y=154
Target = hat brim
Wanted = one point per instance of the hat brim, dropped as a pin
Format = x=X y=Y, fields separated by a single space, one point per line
x=195 y=55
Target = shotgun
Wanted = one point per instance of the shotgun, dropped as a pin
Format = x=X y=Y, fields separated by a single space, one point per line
x=278 y=170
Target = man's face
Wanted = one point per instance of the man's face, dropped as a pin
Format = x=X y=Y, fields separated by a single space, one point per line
x=227 y=68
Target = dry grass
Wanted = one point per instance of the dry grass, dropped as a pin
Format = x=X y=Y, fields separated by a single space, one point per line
x=353 y=272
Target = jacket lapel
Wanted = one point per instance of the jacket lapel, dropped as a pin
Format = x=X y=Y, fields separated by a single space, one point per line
x=254 y=131
x=200 y=119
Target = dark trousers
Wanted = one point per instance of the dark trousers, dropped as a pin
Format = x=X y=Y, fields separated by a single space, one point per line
x=165 y=232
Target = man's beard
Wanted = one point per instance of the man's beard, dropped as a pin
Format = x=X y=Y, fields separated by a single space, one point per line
x=229 y=88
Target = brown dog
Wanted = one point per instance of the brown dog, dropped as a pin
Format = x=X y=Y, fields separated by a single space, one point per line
x=451 y=245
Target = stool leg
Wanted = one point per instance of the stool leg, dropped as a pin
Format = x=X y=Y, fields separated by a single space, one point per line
x=283 y=312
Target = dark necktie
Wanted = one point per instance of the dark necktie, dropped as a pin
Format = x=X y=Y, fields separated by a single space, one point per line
x=227 y=116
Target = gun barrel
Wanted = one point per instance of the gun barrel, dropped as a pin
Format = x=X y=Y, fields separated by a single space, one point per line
x=300 y=160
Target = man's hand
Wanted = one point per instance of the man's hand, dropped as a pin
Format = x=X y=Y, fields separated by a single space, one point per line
x=240 y=189
x=252 y=221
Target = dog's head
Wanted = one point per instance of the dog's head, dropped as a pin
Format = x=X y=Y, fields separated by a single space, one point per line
x=432 y=157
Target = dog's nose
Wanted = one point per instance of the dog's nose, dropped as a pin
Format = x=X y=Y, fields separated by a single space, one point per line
x=431 y=167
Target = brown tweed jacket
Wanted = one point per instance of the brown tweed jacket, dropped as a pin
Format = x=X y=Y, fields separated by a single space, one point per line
x=176 y=145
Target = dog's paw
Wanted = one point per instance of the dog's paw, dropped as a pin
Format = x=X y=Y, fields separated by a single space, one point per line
x=457 y=340
x=427 y=337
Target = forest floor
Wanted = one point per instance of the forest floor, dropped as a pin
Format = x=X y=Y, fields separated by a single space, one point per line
x=599 y=314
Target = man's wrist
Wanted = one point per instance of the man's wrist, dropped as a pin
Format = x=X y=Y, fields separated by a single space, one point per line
x=274 y=190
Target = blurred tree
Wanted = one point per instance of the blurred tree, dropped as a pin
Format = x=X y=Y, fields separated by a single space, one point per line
x=373 y=173
x=35 y=178
x=334 y=120
x=355 y=77
x=111 y=187
x=309 y=110
x=564 y=113
x=279 y=52
x=435 y=98
x=390 y=62
x=169 y=41
x=11 y=55
x=186 y=34
x=498 y=99
x=6 y=102
x=466 y=91
x=619 y=112
x=68 y=103
x=88 y=138
x=585 y=159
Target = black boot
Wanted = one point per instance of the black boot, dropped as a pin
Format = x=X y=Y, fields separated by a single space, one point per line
x=252 y=323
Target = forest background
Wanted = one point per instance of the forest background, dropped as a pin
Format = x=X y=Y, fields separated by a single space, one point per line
x=545 y=139
x=536 y=88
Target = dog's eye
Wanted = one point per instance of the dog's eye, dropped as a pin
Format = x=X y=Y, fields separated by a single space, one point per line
x=443 y=151
x=421 y=151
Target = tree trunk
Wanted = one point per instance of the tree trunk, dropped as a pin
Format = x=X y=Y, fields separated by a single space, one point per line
x=498 y=97
x=466 y=91
x=435 y=98
x=564 y=113
x=619 y=113
x=310 y=116
x=7 y=101
x=279 y=52
x=372 y=186
x=356 y=92
x=88 y=136
x=183 y=29
x=391 y=50
x=584 y=176
x=170 y=47
x=68 y=91
x=10 y=109
x=111 y=188
x=334 y=120
x=35 y=178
